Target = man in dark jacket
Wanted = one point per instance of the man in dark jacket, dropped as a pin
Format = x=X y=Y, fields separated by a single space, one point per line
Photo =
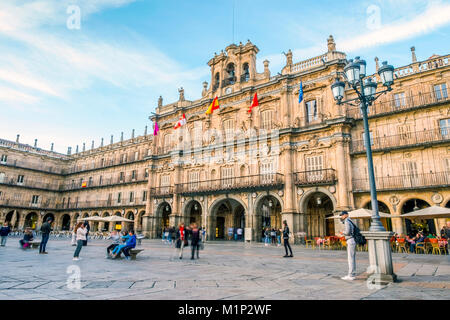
x=88 y=228
x=286 y=240
x=45 y=230
x=4 y=231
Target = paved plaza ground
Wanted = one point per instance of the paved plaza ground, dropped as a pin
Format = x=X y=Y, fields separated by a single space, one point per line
x=225 y=270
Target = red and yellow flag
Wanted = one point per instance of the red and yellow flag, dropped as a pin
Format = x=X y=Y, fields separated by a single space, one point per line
x=255 y=103
x=84 y=184
x=214 y=106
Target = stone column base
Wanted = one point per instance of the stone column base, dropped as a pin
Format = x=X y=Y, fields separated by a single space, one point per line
x=381 y=269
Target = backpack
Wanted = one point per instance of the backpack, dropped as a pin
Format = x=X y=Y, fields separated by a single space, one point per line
x=359 y=238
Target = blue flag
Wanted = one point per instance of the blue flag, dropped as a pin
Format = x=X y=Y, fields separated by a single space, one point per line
x=300 y=93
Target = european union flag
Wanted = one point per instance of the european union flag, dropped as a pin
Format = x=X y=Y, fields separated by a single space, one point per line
x=300 y=93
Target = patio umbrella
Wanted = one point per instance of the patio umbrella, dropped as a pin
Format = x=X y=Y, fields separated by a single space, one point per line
x=362 y=214
x=116 y=219
x=433 y=212
x=91 y=219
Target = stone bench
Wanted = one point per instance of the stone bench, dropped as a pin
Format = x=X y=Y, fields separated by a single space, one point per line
x=133 y=253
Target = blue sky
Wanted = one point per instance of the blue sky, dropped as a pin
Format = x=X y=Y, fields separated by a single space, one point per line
x=70 y=86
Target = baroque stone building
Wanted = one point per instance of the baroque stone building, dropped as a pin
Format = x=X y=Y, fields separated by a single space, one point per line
x=284 y=160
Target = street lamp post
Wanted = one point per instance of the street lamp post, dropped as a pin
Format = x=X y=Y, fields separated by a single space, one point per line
x=366 y=90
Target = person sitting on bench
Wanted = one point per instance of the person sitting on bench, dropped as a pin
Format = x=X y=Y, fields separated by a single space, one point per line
x=131 y=243
x=27 y=238
x=119 y=248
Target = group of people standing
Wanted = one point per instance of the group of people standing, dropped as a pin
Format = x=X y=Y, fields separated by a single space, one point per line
x=273 y=236
x=185 y=234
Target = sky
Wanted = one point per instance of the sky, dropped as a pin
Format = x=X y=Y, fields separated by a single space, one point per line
x=73 y=71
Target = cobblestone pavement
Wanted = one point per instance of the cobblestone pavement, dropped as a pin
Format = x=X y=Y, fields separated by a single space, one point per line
x=225 y=270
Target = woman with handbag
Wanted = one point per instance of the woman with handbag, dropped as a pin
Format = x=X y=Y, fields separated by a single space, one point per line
x=181 y=241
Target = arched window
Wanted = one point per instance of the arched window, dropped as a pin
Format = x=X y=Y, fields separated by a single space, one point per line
x=231 y=74
x=245 y=72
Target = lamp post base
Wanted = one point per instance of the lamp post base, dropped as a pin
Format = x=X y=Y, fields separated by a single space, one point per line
x=381 y=269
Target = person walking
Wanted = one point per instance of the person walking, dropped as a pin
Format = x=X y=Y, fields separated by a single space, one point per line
x=195 y=240
x=81 y=232
x=349 y=228
x=181 y=239
x=4 y=231
x=46 y=228
x=273 y=236
x=286 y=240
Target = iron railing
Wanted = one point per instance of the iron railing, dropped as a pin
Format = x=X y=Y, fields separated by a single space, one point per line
x=27 y=204
x=315 y=177
x=162 y=192
x=100 y=204
x=31 y=183
x=253 y=182
x=395 y=105
x=404 y=139
x=110 y=182
x=413 y=181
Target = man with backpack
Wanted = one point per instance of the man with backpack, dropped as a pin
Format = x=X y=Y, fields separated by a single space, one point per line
x=349 y=233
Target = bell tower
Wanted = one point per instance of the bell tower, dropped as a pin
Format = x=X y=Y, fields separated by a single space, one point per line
x=233 y=68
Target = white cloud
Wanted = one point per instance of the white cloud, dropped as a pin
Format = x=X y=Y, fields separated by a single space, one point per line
x=436 y=15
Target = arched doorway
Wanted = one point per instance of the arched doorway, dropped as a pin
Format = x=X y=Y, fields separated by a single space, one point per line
x=95 y=224
x=106 y=225
x=318 y=208
x=193 y=213
x=118 y=225
x=48 y=215
x=382 y=207
x=413 y=226
x=65 y=222
x=140 y=221
x=164 y=211
x=75 y=220
x=31 y=220
x=269 y=208
x=227 y=216
x=13 y=218
x=129 y=225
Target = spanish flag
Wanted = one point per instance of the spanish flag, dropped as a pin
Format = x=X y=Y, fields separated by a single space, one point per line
x=84 y=184
x=255 y=103
x=214 y=106
x=180 y=122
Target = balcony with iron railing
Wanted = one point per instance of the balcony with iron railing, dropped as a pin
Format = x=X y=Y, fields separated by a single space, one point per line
x=109 y=182
x=162 y=192
x=405 y=182
x=408 y=139
x=228 y=81
x=100 y=204
x=232 y=184
x=315 y=177
x=12 y=203
x=31 y=184
x=394 y=105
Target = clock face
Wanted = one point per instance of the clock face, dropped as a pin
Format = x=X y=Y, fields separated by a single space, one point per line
x=228 y=90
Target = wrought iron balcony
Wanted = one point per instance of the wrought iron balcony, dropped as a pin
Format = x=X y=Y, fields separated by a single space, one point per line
x=395 y=105
x=405 y=139
x=10 y=203
x=233 y=184
x=31 y=183
x=162 y=192
x=404 y=182
x=315 y=177
x=245 y=77
x=228 y=81
x=105 y=183
x=100 y=204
